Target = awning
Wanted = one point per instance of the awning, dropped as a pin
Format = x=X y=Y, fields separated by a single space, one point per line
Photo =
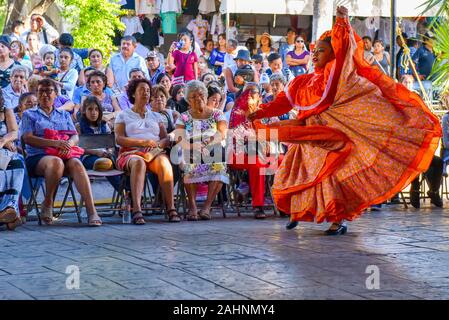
x=359 y=8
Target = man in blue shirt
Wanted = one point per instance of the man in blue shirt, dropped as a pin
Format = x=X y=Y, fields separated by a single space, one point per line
x=155 y=68
x=424 y=57
x=126 y=60
x=285 y=47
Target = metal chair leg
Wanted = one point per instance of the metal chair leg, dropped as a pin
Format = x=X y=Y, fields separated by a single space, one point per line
x=75 y=204
x=403 y=200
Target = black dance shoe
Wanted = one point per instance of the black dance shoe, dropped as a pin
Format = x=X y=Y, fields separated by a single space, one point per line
x=435 y=198
x=342 y=229
x=291 y=225
x=414 y=199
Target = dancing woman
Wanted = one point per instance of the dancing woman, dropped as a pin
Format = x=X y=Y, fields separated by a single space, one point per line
x=359 y=137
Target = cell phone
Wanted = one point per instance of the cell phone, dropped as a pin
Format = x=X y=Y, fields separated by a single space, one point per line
x=180 y=44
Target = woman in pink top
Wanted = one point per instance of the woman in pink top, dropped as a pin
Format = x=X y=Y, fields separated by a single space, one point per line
x=182 y=56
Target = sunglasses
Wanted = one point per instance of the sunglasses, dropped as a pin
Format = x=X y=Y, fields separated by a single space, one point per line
x=299 y=41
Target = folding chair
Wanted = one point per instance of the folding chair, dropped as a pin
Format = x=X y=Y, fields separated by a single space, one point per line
x=99 y=141
x=181 y=199
x=37 y=185
x=235 y=177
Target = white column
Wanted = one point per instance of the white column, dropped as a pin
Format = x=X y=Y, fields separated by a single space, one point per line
x=323 y=12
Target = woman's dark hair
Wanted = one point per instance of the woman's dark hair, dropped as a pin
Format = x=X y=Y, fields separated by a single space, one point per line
x=97 y=73
x=69 y=51
x=300 y=36
x=251 y=44
x=132 y=87
x=206 y=41
x=66 y=39
x=207 y=74
x=46 y=82
x=87 y=102
x=223 y=35
x=187 y=32
x=175 y=90
x=32 y=33
x=211 y=90
x=22 y=49
x=161 y=76
x=379 y=41
x=159 y=88
x=95 y=50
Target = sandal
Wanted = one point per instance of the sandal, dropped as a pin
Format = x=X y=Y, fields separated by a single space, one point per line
x=47 y=215
x=259 y=213
x=192 y=216
x=8 y=215
x=173 y=216
x=204 y=215
x=137 y=218
x=95 y=223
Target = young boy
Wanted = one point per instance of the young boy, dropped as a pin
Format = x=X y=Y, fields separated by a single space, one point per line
x=48 y=69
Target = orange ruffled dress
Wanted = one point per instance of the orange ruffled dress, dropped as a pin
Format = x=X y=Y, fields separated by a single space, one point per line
x=359 y=138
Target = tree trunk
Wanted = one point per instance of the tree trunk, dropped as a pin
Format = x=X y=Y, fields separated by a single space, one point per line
x=15 y=10
x=15 y=7
x=41 y=7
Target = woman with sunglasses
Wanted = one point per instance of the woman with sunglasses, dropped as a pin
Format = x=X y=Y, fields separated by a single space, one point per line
x=298 y=58
x=359 y=137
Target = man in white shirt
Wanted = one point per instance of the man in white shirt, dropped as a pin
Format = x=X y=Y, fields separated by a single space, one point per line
x=122 y=62
x=232 y=49
x=47 y=34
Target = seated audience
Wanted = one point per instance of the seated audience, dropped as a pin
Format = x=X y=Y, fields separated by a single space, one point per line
x=18 y=86
x=142 y=138
x=11 y=177
x=53 y=158
x=200 y=146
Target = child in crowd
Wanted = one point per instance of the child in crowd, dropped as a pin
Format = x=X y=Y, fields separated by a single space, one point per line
x=91 y=123
x=27 y=101
x=182 y=55
x=36 y=61
x=48 y=69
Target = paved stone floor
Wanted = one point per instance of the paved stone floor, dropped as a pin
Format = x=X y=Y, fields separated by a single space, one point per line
x=232 y=258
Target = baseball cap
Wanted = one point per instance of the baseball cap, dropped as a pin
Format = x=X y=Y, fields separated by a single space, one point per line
x=6 y=41
x=257 y=58
x=152 y=55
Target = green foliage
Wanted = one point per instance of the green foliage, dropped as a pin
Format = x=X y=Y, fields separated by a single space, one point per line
x=93 y=22
x=3 y=13
x=440 y=27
